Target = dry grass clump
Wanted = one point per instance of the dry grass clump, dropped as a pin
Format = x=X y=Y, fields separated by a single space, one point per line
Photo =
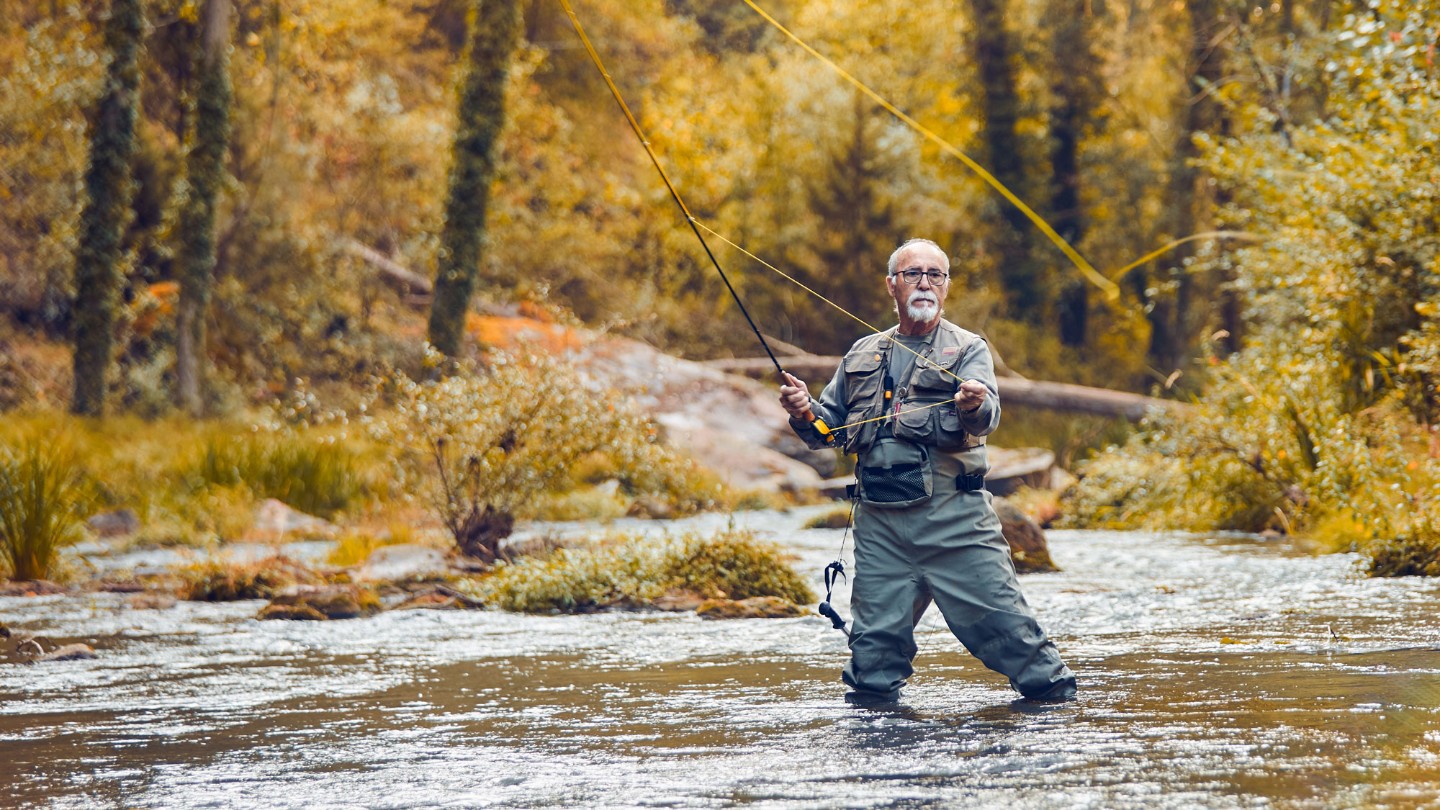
x=217 y=580
x=43 y=505
x=837 y=518
x=629 y=570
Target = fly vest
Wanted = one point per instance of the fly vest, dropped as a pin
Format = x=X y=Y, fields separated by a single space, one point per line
x=933 y=378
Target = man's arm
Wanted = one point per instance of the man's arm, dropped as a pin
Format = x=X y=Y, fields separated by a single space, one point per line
x=796 y=400
x=978 y=397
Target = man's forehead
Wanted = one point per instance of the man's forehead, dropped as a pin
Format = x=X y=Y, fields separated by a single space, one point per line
x=922 y=254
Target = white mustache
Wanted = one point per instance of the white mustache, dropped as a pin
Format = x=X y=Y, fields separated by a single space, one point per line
x=920 y=313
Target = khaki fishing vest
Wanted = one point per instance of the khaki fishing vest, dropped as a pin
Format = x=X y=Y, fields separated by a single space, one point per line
x=931 y=380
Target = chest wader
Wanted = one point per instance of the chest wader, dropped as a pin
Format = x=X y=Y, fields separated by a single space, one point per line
x=925 y=531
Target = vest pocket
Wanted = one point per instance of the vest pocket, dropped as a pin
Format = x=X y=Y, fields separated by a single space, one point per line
x=915 y=422
x=895 y=474
x=949 y=435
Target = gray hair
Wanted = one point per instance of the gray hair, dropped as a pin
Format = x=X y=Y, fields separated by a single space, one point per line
x=890 y=267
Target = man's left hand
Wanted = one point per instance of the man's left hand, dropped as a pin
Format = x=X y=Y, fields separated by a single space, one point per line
x=970 y=395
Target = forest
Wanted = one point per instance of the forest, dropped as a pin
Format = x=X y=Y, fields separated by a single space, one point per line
x=1236 y=205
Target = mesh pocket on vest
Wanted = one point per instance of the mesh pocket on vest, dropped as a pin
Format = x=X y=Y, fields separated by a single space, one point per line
x=903 y=482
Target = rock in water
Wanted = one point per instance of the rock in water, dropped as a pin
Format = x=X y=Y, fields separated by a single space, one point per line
x=756 y=607
x=69 y=652
x=329 y=602
x=1028 y=549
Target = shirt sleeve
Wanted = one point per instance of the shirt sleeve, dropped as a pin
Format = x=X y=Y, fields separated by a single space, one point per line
x=977 y=365
x=830 y=407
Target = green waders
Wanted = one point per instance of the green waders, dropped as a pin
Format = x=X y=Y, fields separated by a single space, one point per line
x=950 y=550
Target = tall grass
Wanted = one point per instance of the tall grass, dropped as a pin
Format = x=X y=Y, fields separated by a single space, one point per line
x=315 y=476
x=42 y=505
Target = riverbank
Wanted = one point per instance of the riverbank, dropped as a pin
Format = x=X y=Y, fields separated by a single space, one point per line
x=1219 y=672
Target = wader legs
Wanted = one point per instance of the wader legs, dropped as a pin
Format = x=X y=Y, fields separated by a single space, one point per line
x=950 y=550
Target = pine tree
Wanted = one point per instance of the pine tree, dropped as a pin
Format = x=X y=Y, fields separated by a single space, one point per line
x=107 y=208
x=493 y=34
x=205 y=174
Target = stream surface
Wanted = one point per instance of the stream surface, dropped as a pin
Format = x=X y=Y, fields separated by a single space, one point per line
x=1214 y=672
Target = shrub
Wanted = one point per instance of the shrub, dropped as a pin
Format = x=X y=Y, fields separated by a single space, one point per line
x=42 y=505
x=630 y=570
x=837 y=518
x=502 y=438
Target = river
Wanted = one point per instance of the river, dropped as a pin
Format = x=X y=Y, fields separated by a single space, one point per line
x=1215 y=672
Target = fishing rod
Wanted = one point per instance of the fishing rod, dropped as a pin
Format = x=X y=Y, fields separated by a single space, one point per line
x=815 y=421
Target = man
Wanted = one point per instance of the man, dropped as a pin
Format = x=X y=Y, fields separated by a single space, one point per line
x=917 y=402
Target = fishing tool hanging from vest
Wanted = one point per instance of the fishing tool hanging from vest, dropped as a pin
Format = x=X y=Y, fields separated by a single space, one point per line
x=815 y=421
x=835 y=572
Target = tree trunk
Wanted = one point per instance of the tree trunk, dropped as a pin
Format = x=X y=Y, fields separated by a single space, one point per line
x=1076 y=91
x=108 y=190
x=493 y=34
x=1020 y=275
x=205 y=174
x=1173 y=317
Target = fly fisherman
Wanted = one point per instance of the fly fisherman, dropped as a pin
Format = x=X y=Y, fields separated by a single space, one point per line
x=924 y=528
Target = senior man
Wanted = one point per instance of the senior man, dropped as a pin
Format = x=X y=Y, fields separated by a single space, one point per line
x=918 y=400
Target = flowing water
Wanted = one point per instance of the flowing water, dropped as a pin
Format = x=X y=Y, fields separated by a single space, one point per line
x=1215 y=672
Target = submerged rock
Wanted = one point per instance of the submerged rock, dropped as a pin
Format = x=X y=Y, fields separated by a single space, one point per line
x=30 y=587
x=756 y=607
x=153 y=600
x=329 y=602
x=1028 y=549
x=291 y=613
x=69 y=652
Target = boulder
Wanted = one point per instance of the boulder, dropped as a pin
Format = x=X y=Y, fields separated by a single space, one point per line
x=756 y=607
x=401 y=563
x=118 y=523
x=329 y=601
x=275 y=518
x=69 y=652
x=1028 y=548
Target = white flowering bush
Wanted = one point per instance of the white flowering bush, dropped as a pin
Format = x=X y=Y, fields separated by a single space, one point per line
x=488 y=444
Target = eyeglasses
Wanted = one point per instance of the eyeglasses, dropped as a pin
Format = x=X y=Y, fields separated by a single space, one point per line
x=937 y=277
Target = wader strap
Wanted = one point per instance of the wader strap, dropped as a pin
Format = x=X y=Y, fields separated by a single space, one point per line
x=970 y=483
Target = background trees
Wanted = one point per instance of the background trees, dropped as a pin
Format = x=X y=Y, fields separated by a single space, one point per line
x=1104 y=116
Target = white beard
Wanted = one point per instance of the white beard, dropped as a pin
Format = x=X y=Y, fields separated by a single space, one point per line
x=917 y=310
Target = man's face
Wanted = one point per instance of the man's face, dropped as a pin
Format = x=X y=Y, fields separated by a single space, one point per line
x=923 y=300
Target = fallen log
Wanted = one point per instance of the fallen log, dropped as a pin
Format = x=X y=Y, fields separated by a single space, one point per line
x=404 y=280
x=1051 y=396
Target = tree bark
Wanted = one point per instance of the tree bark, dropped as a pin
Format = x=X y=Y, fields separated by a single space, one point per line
x=1174 y=320
x=106 y=213
x=205 y=174
x=1076 y=91
x=1020 y=275
x=493 y=34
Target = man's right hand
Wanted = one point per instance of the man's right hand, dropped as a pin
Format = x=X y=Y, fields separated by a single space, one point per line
x=795 y=397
